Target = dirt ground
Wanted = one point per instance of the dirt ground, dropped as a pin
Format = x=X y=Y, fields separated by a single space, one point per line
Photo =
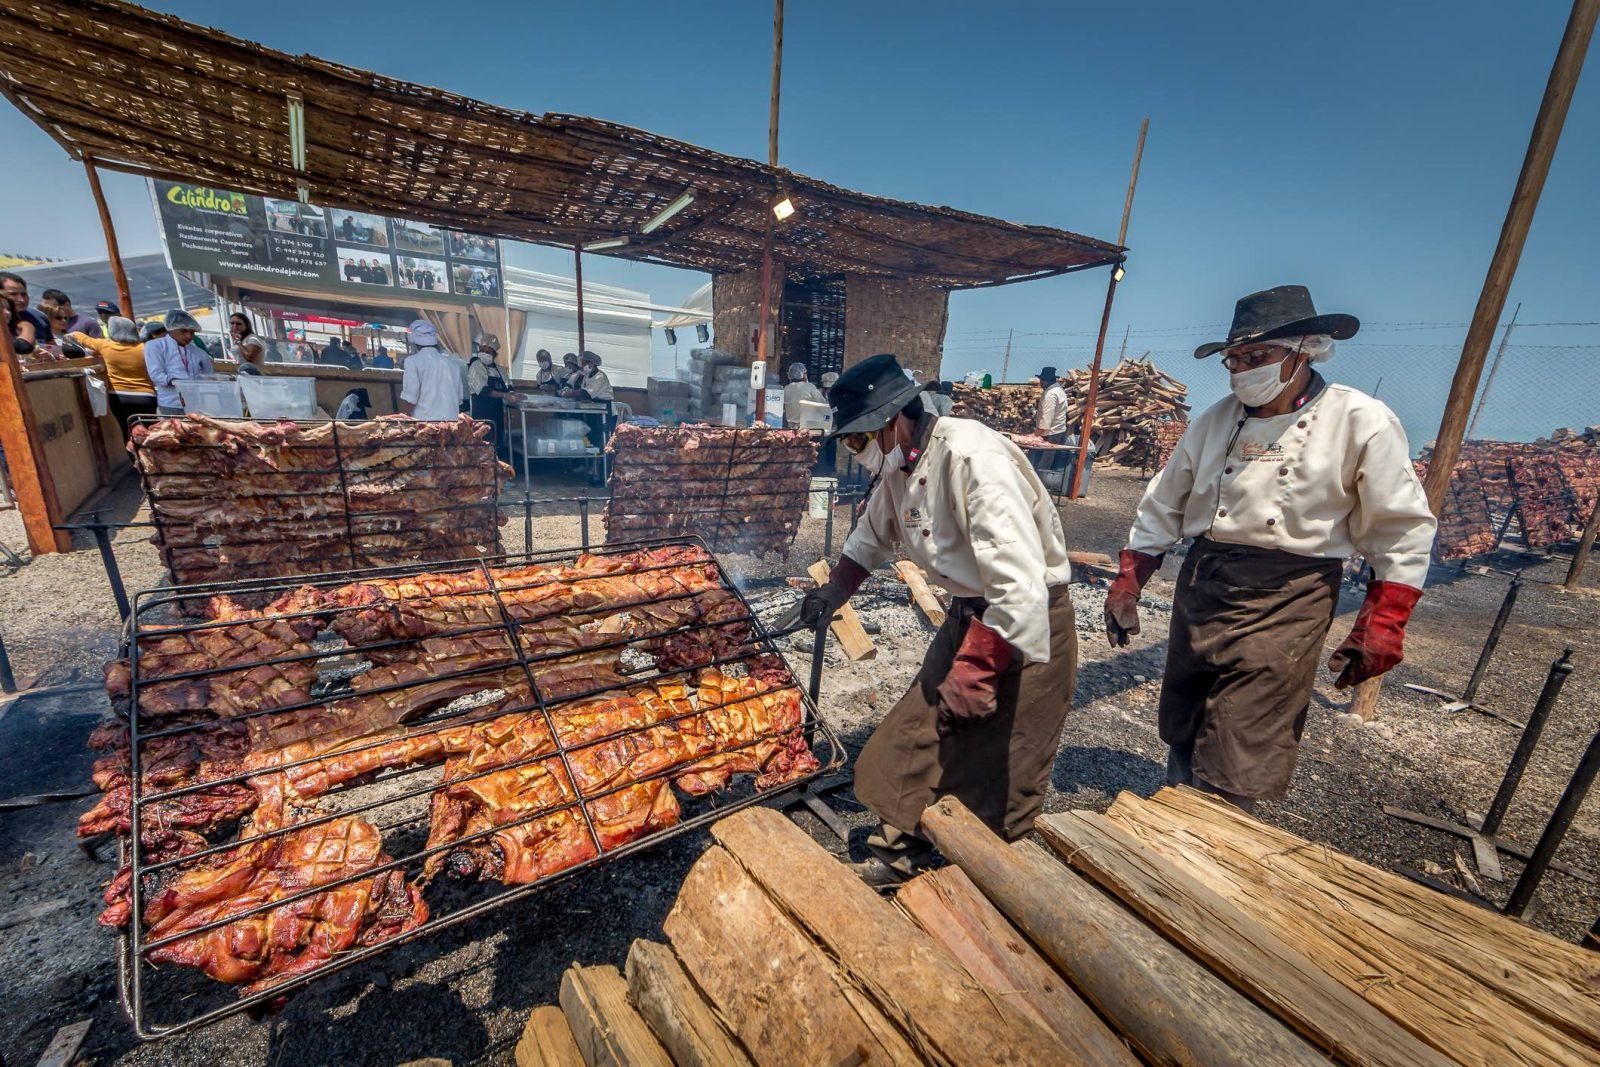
x=463 y=993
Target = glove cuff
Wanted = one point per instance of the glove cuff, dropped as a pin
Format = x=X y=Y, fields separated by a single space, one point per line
x=1137 y=567
x=983 y=645
x=1390 y=602
x=846 y=577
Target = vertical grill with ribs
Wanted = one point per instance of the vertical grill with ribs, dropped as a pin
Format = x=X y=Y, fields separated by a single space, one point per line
x=345 y=765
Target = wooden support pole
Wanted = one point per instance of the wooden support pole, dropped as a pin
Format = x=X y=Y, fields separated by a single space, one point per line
x=31 y=481
x=1580 y=558
x=577 y=270
x=1105 y=322
x=1513 y=234
x=113 y=253
x=765 y=349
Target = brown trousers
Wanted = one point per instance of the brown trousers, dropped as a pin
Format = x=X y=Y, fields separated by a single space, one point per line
x=999 y=768
x=1248 y=625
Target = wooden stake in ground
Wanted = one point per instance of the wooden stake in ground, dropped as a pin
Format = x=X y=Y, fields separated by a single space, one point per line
x=922 y=596
x=1171 y=1008
x=1513 y=234
x=1580 y=558
x=846 y=626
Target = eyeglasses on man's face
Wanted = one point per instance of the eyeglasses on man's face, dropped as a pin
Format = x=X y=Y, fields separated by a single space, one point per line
x=1254 y=356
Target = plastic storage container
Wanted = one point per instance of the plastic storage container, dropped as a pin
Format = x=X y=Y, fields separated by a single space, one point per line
x=279 y=397
x=212 y=396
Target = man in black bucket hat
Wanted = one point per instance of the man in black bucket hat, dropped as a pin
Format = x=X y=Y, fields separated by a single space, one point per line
x=1277 y=484
x=981 y=721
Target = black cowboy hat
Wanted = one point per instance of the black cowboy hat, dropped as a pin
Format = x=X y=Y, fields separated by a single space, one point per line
x=1283 y=311
x=869 y=395
x=1047 y=374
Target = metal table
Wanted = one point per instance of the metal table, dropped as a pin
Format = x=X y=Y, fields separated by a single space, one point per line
x=596 y=412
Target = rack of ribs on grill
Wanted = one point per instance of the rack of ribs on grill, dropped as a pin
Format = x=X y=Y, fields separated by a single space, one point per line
x=264 y=945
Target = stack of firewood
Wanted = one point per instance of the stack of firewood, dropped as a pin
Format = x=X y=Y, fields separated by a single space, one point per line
x=1007 y=408
x=1134 y=398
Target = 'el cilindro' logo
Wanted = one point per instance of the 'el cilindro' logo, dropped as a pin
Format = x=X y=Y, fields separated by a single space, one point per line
x=203 y=198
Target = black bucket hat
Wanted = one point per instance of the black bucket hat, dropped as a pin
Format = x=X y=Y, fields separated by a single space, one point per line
x=869 y=395
x=1283 y=311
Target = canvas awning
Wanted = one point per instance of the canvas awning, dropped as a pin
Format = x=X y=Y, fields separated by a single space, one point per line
x=153 y=95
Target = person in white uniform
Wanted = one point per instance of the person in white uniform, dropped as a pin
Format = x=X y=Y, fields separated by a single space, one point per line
x=172 y=357
x=798 y=389
x=592 y=382
x=982 y=720
x=1277 y=484
x=431 y=388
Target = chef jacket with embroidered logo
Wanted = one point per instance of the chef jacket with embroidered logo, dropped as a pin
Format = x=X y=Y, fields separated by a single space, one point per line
x=1331 y=479
x=973 y=515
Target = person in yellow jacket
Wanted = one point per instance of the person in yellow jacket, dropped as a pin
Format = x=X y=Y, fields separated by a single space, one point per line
x=132 y=392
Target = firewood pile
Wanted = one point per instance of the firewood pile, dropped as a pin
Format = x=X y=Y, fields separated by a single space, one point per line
x=1135 y=398
x=739 y=488
x=1541 y=493
x=1007 y=408
x=234 y=499
x=1170 y=930
x=1167 y=435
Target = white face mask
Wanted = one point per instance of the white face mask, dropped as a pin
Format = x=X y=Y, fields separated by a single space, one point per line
x=894 y=460
x=1258 y=385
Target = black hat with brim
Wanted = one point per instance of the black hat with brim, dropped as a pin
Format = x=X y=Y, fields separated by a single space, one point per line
x=868 y=396
x=1284 y=311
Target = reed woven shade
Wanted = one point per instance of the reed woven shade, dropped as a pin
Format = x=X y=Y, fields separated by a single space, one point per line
x=153 y=95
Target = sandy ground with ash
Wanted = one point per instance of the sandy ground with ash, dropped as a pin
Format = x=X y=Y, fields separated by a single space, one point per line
x=463 y=993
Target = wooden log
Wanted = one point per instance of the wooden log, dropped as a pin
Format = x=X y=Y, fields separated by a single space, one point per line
x=949 y=907
x=1233 y=944
x=946 y=1015
x=686 y=1025
x=781 y=996
x=1171 y=1008
x=63 y=1048
x=1479 y=987
x=1364 y=702
x=846 y=625
x=921 y=595
x=547 y=1040
x=606 y=1029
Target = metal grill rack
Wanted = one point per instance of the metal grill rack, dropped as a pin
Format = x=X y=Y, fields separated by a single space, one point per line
x=707 y=496
x=527 y=607
x=357 y=499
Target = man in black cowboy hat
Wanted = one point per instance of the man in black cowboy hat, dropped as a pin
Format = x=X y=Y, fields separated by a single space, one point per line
x=982 y=719
x=1277 y=485
x=1052 y=418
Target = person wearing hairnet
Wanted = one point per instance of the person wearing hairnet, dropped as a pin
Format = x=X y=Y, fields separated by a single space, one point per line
x=982 y=720
x=1277 y=484
x=592 y=383
x=487 y=389
x=173 y=357
x=797 y=390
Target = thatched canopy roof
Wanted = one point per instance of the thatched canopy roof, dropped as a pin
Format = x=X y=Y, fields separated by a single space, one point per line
x=154 y=95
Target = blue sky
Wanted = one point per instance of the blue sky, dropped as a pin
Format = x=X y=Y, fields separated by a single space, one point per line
x=1365 y=149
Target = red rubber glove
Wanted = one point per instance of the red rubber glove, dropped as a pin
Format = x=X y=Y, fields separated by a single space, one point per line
x=1122 y=599
x=823 y=603
x=1373 y=647
x=968 y=694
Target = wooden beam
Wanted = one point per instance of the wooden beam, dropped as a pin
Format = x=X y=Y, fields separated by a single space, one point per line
x=63 y=1048
x=1483 y=989
x=577 y=268
x=31 y=481
x=687 y=1026
x=113 y=253
x=781 y=995
x=1508 y=250
x=926 y=993
x=921 y=595
x=1170 y=1007
x=949 y=907
x=1234 y=945
x=606 y=1029
x=547 y=1040
x=846 y=626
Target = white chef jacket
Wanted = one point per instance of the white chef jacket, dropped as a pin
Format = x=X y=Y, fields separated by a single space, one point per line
x=1053 y=409
x=1331 y=479
x=973 y=514
x=166 y=361
x=432 y=381
x=793 y=393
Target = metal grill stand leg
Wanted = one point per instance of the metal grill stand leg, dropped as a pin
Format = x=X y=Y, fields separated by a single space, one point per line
x=1555 y=830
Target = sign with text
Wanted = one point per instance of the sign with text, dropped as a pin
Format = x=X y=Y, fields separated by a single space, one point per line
x=331 y=249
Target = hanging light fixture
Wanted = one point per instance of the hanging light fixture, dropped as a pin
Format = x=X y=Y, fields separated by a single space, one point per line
x=783 y=209
x=604 y=243
x=701 y=333
x=672 y=336
x=667 y=212
x=1117 y=273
